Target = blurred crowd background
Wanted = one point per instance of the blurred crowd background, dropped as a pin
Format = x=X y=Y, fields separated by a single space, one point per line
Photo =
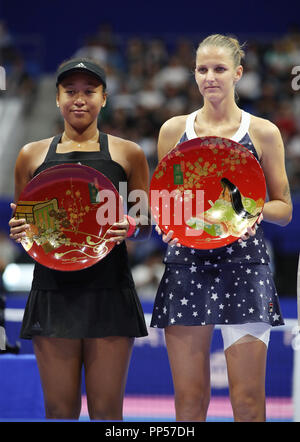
x=151 y=79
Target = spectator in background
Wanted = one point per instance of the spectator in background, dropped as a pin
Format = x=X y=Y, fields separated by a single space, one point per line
x=156 y=54
x=175 y=74
x=135 y=51
x=249 y=87
x=285 y=119
x=93 y=49
x=279 y=58
x=266 y=105
x=123 y=100
x=19 y=81
x=149 y=97
x=136 y=76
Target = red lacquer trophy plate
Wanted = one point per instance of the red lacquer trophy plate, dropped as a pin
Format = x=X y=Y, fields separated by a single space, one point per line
x=208 y=190
x=69 y=209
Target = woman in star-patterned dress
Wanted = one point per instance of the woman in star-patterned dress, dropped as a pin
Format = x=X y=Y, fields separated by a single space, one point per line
x=232 y=285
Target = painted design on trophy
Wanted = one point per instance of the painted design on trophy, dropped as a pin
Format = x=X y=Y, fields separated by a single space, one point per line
x=51 y=226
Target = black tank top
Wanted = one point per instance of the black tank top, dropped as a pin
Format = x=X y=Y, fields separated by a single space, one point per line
x=113 y=270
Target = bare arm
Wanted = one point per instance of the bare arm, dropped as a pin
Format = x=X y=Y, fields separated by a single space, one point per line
x=138 y=190
x=278 y=209
x=138 y=187
x=169 y=135
x=22 y=177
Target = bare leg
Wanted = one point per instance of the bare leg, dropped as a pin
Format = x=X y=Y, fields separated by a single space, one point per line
x=188 y=351
x=246 y=365
x=59 y=362
x=106 y=362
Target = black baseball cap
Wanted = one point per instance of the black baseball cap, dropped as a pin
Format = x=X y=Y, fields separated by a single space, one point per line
x=80 y=65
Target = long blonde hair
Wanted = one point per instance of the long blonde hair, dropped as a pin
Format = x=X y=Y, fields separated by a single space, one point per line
x=224 y=41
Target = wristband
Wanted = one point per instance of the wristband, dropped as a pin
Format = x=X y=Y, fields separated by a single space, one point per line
x=132 y=225
x=136 y=232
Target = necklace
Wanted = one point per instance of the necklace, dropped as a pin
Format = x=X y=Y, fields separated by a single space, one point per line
x=81 y=144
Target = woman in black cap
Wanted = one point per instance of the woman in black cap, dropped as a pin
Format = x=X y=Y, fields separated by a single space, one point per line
x=85 y=318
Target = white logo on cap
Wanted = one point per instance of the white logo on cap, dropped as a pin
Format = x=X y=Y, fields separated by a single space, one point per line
x=80 y=65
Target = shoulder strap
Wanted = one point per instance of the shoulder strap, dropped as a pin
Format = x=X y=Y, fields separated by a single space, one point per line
x=240 y=133
x=103 y=140
x=189 y=126
x=244 y=127
x=52 y=148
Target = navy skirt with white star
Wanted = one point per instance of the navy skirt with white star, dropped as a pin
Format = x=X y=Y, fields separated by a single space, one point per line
x=228 y=293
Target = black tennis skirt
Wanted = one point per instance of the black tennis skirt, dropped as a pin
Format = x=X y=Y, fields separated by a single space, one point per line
x=78 y=314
